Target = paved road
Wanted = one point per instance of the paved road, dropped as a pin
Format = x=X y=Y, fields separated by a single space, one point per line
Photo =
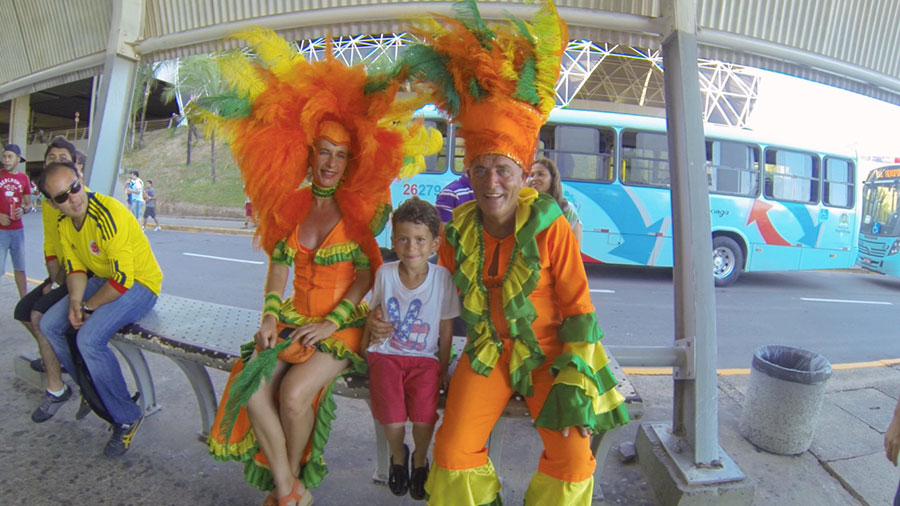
x=846 y=316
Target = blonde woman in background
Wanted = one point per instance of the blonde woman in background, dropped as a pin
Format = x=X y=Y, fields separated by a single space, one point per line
x=544 y=178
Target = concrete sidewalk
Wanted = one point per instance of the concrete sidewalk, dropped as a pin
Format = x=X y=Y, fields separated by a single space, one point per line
x=61 y=461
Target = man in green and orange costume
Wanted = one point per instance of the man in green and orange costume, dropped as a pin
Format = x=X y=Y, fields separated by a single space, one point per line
x=531 y=326
x=318 y=145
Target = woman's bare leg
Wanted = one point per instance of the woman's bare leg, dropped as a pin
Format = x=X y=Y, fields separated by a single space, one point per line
x=299 y=388
x=266 y=422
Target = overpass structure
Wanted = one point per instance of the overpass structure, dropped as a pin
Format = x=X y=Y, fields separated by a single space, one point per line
x=850 y=44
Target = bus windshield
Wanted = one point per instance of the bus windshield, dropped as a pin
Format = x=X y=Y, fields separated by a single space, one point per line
x=880 y=213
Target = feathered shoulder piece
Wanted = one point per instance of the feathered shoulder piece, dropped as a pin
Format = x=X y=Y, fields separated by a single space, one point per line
x=498 y=82
x=272 y=112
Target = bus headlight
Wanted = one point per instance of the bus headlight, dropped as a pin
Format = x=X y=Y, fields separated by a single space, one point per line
x=895 y=248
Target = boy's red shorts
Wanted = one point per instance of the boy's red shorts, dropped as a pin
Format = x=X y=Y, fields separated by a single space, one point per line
x=403 y=387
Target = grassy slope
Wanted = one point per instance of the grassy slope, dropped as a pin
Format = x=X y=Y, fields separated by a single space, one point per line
x=187 y=189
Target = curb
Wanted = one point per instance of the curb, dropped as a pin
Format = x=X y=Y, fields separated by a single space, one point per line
x=208 y=230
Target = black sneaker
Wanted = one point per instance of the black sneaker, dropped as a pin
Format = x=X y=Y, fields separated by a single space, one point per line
x=84 y=409
x=398 y=479
x=38 y=365
x=49 y=405
x=417 y=482
x=121 y=438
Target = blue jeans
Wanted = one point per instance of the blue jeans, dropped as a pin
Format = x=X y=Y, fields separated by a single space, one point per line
x=13 y=242
x=137 y=209
x=93 y=343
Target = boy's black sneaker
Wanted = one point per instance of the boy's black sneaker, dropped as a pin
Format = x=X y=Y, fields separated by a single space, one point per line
x=49 y=405
x=121 y=438
x=398 y=479
x=417 y=482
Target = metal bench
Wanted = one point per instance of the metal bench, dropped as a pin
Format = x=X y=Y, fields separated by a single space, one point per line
x=197 y=335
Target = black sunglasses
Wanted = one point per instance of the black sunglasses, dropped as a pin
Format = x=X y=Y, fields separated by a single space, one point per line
x=64 y=196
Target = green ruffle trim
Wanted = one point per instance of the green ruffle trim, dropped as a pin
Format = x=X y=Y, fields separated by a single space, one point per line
x=337 y=253
x=463 y=233
x=242 y=451
x=314 y=470
x=380 y=218
x=340 y=351
x=568 y=405
x=580 y=328
x=258 y=476
x=283 y=254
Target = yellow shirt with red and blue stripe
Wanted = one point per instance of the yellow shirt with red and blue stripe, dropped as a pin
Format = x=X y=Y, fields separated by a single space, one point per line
x=50 y=218
x=110 y=245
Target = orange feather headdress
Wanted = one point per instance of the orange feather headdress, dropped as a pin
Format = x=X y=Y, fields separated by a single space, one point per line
x=280 y=103
x=497 y=82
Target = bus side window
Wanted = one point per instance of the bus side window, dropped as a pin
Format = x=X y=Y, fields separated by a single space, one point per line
x=646 y=158
x=794 y=175
x=584 y=153
x=732 y=167
x=838 y=187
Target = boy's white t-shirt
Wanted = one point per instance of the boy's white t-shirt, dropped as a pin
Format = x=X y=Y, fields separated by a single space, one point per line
x=416 y=313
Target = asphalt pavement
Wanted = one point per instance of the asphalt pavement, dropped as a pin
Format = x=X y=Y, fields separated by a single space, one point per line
x=61 y=461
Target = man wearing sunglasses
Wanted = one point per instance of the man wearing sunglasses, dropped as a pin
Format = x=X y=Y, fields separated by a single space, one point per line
x=99 y=235
x=32 y=306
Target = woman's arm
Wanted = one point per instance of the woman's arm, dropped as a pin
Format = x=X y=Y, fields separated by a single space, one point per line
x=276 y=279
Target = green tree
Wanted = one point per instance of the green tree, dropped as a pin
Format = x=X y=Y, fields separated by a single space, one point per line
x=144 y=84
x=197 y=76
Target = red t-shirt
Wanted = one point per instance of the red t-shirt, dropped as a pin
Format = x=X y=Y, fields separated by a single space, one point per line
x=13 y=188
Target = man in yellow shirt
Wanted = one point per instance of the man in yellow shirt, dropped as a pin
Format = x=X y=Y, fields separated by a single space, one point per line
x=100 y=236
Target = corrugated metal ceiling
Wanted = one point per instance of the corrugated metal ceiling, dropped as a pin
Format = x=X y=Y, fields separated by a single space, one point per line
x=852 y=44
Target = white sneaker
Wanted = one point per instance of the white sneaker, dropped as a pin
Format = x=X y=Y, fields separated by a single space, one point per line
x=157 y=229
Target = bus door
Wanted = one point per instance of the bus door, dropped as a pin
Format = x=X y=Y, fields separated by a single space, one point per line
x=831 y=242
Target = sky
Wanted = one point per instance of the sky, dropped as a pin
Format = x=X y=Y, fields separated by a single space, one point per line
x=796 y=107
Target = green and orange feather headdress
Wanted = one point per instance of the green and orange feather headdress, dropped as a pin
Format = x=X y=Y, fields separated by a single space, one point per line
x=498 y=82
x=272 y=115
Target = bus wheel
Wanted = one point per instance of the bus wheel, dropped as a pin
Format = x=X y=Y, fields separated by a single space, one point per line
x=728 y=261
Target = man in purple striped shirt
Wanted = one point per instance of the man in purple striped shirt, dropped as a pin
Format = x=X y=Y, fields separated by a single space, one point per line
x=457 y=192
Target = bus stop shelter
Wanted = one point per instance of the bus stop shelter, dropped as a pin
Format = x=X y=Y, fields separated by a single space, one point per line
x=848 y=44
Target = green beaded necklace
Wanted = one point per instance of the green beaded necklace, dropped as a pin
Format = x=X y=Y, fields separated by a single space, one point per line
x=323 y=193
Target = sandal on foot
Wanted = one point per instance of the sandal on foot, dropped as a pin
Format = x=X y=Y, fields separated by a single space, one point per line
x=398 y=479
x=302 y=500
x=270 y=500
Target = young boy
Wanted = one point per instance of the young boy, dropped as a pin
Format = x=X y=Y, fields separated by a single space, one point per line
x=407 y=370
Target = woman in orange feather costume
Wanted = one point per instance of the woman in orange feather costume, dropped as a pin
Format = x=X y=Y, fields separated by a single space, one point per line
x=290 y=121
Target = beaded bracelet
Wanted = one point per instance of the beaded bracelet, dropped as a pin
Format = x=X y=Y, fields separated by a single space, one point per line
x=340 y=313
x=272 y=305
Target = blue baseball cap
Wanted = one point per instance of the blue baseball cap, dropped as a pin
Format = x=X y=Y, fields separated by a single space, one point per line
x=15 y=149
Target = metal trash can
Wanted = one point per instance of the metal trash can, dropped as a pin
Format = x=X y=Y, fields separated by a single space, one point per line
x=781 y=408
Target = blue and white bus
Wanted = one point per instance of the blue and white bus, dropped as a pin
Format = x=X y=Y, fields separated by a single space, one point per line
x=879 y=234
x=774 y=205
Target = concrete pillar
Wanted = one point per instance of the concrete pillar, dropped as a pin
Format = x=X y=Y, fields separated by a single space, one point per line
x=114 y=97
x=19 y=109
x=683 y=461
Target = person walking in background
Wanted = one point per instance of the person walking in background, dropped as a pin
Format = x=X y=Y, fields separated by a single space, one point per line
x=150 y=211
x=248 y=213
x=136 y=190
x=407 y=370
x=99 y=236
x=544 y=178
x=15 y=201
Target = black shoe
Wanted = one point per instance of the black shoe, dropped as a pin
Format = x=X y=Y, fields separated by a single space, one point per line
x=84 y=409
x=417 y=482
x=398 y=480
x=121 y=438
x=38 y=365
x=49 y=405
